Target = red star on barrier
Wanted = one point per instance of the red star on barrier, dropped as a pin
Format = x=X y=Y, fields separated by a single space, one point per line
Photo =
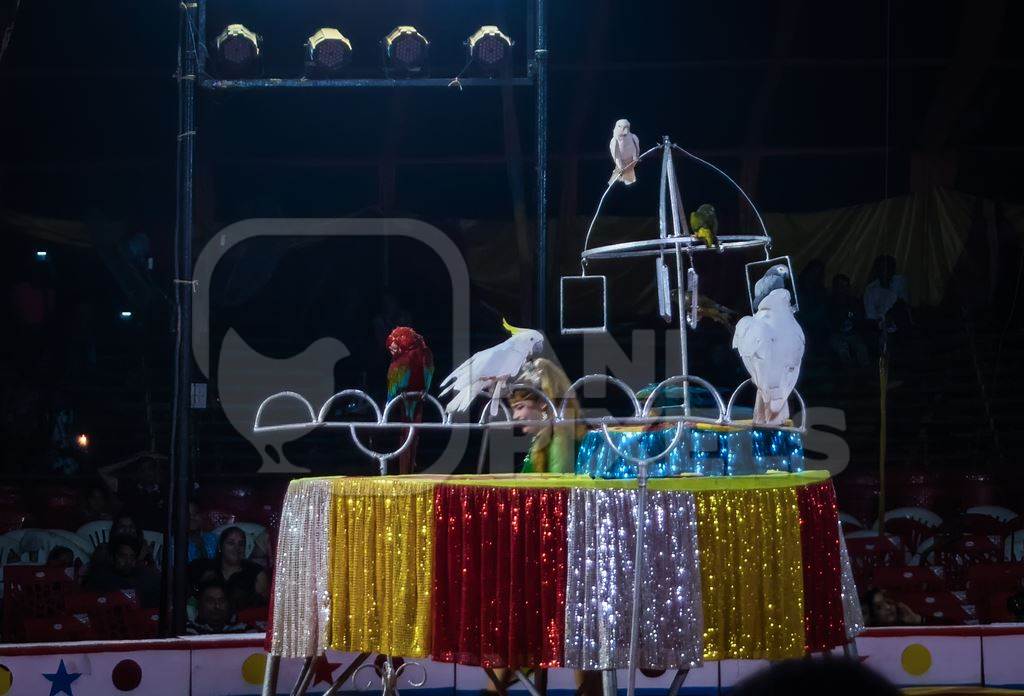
x=323 y=670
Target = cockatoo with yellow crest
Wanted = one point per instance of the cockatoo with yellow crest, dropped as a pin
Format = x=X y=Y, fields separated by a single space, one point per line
x=495 y=366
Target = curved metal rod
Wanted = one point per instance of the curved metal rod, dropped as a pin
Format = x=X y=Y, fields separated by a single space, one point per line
x=259 y=411
x=734 y=184
x=600 y=204
x=802 y=428
x=645 y=460
x=402 y=667
x=349 y=392
x=722 y=412
x=521 y=386
x=360 y=394
x=574 y=388
x=405 y=396
x=483 y=420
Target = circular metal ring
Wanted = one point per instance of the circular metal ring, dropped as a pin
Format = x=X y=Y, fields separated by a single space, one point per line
x=799 y=397
x=574 y=388
x=662 y=245
x=259 y=411
x=416 y=684
x=643 y=461
x=722 y=412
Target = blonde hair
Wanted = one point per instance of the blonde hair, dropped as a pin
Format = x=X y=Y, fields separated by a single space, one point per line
x=554 y=447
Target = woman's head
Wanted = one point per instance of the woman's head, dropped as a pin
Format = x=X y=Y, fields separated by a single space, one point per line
x=124 y=525
x=547 y=378
x=231 y=545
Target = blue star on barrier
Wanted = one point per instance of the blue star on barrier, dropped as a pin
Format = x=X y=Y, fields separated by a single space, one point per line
x=60 y=681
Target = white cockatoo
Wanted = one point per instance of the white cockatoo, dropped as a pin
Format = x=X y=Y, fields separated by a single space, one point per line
x=771 y=345
x=494 y=366
x=625 y=148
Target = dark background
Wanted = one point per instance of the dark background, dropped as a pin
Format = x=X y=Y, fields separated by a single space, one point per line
x=810 y=106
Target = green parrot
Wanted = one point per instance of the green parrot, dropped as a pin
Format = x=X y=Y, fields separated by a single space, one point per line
x=704 y=225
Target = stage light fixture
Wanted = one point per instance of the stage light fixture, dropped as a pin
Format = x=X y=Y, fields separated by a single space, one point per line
x=327 y=52
x=82 y=441
x=405 y=51
x=125 y=315
x=238 y=51
x=489 y=49
x=41 y=255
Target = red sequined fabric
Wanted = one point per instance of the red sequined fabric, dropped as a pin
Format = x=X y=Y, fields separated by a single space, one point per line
x=499 y=576
x=819 y=536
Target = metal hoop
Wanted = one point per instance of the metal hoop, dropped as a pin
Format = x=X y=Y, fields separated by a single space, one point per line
x=645 y=460
x=574 y=388
x=722 y=412
x=415 y=684
x=259 y=411
x=802 y=428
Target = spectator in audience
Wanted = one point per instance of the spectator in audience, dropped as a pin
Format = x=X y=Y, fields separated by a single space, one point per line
x=836 y=677
x=125 y=572
x=60 y=557
x=1015 y=605
x=882 y=610
x=123 y=526
x=139 y=484
x=246 y=582
x=214 y=612
x=96 y=505
x=201 y=545
x=845 y=317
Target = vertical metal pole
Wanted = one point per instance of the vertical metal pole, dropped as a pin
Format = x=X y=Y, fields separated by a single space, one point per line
x=678 y=226
x=540 y=54
x=638 y=567
x=180 y=460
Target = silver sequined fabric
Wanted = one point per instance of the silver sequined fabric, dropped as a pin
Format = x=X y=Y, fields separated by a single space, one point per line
x=302 y=600
x=852 y=615
x=599 y=591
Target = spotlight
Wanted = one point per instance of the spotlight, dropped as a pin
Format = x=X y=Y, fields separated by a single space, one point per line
x=40 y=255
x=238 y=51
x=405 y=51
x=489 y=48
x=327 y=52
x=82 y=441
x=125 y=315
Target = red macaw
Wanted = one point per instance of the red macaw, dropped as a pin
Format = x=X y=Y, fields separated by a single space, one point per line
x=411 y=370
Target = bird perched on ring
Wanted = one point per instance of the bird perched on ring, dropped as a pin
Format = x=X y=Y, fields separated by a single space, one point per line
x=412 y=366
x=625 y=149
x=771 y=345
x=704 y=225
x=495 y=367
x=411 y=370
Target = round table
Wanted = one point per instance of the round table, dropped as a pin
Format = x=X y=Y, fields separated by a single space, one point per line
x=534 y=570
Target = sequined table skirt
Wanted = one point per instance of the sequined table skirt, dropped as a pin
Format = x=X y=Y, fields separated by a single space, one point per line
x=536 y=570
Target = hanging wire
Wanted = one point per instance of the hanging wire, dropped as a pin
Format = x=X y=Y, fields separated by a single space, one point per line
x=888 y=94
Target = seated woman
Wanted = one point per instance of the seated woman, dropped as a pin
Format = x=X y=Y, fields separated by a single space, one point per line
x=246 y=582
x=553 y=449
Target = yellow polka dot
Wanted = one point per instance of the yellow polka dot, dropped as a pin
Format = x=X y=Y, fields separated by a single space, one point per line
x=6 y=679
x=916 y=659
x=254 y=667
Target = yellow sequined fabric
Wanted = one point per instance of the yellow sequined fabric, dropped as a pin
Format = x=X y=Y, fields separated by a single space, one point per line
x=752 y=573
x=381 y=565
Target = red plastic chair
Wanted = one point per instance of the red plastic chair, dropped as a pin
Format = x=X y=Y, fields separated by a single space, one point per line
x=61 y=628
x=143 y=623
x=957 y=555
x=908 y=579
x=108 y=612
x=869 y=551
x=254 y=616
x=987 y=580
x=936 y=607
x=35 y=592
